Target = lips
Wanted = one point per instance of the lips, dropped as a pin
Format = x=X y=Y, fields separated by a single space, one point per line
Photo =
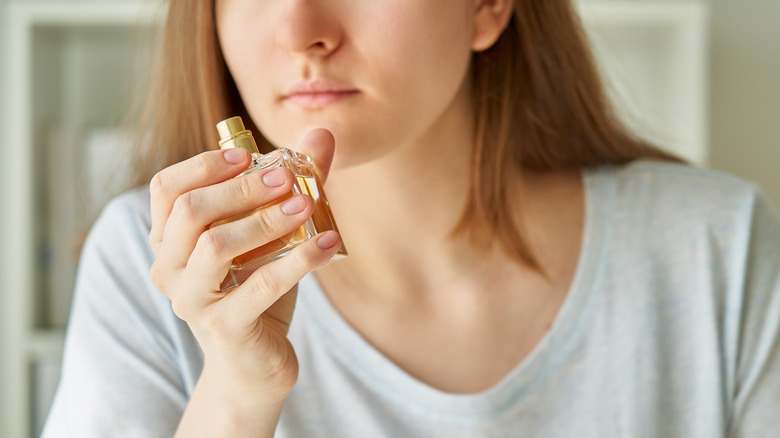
x=317 y=93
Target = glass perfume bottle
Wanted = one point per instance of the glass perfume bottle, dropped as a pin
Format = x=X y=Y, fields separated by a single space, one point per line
x=233 y=134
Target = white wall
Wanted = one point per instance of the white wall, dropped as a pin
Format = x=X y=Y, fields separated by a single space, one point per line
x=745 y=90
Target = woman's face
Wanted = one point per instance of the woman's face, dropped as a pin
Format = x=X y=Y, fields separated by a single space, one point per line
x=379 y=74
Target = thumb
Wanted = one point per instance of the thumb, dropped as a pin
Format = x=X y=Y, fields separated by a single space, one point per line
x=320 y=145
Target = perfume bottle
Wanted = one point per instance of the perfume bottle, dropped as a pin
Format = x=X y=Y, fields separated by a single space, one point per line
x=233 y=134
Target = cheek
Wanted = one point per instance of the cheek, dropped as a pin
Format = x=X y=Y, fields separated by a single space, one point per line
x=422 y=54
x=243 y=38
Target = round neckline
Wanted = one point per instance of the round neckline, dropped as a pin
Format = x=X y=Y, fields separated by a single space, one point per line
x=392 y=383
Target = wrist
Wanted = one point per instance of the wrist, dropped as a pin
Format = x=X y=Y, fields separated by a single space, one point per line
x=243 y=392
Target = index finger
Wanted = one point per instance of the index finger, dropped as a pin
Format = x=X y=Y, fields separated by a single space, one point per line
x=202 y=170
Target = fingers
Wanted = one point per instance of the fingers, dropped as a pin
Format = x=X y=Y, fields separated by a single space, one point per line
x=194 y=211
x=320 y=145
x=217 y=247
x=193 y=257
x=266 y=285
x=200 y=171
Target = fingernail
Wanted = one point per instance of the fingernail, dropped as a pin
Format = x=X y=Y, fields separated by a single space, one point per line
x=293 y=205
x=328 y=240
x=274 y=178
x=234 y=155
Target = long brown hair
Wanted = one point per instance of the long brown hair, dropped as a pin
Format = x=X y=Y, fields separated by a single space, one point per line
x=539 y=103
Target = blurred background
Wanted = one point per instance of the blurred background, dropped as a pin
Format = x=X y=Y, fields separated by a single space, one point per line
x=699 y=77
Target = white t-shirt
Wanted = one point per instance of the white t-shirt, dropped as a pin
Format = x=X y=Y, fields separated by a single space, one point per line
x=671 y=328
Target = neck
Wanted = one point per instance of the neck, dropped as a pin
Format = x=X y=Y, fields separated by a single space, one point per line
x=396 y=213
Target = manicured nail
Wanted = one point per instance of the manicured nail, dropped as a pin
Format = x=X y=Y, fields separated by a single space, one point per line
x=234 y=155
x=293 y=205
x=328 y=240
x=274 y=178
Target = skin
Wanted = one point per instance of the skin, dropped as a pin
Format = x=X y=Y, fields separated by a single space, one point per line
x=396 y=147
x=395 y=44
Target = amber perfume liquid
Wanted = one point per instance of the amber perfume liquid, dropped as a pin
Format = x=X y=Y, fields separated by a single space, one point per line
x=234 y=135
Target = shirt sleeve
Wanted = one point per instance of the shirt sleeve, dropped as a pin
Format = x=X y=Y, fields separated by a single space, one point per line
x=756 y=398
x=120 y=376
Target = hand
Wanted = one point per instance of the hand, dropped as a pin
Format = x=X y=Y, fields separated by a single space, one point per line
x=242 y=332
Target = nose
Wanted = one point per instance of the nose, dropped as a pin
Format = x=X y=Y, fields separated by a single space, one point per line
x=306 y=27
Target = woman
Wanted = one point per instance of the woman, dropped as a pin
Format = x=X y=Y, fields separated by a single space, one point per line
x=519 y=265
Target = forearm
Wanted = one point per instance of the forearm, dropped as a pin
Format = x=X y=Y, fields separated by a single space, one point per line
x=213 y=413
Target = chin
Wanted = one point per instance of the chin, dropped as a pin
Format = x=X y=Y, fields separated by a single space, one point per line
x=356 y=143
x=346 y=157
x=352 y=148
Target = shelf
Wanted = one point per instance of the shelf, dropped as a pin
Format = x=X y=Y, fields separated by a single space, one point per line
x=79 y=74
x=69 y=69
x=45 y=344
x=44 y=368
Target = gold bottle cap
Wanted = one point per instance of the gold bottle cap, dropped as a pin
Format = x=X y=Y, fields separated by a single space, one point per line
x=233 y=134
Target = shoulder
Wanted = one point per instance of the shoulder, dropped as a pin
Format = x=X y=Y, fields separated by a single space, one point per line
x=124 y=222
x=680 y=185
x=678 y=196
x=116 y=256
x=126 y=354
x=685 y=222
x=131 y=207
